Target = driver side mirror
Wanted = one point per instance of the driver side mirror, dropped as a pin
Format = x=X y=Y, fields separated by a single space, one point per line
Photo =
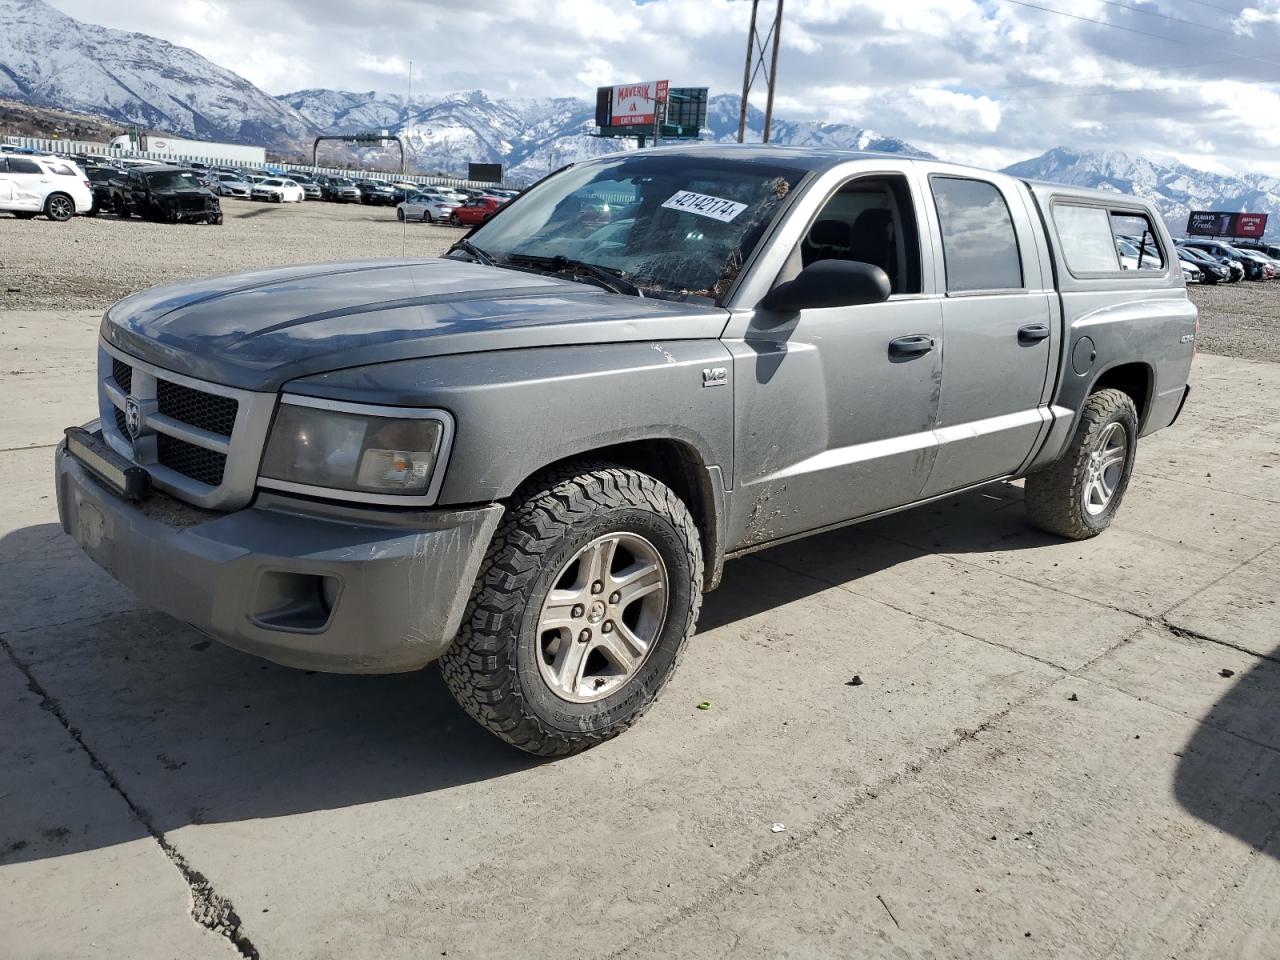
x=829 y=283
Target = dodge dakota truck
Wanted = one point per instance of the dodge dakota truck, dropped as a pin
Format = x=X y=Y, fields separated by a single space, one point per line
x=529 y=458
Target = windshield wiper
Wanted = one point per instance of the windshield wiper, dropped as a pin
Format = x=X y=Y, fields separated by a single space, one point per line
x=466 y=246
x=608 y=278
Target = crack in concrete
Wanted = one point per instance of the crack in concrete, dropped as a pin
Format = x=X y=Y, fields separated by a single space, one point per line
x=1188 y=634
x=209 y=908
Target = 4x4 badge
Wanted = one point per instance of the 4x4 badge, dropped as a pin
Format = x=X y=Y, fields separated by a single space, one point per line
x=715 y=376
x=132 y=418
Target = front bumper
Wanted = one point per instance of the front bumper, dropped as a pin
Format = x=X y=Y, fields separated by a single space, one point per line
x=255 y=579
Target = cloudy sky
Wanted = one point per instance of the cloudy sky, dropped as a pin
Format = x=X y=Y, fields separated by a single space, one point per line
x=983 y=81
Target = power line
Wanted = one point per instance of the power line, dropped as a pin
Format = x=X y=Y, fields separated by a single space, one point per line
x=1171 y=19
x=1117 y=26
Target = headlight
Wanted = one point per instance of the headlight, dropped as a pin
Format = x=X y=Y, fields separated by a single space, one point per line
x=369 y=453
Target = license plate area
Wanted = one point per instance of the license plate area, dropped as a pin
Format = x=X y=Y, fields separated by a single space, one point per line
x=121 y=476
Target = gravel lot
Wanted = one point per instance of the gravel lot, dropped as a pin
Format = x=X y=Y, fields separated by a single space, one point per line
x=1240 y=319
x=89 y=263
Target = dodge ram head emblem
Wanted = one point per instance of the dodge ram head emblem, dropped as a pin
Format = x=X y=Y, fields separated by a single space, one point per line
x=132 y=418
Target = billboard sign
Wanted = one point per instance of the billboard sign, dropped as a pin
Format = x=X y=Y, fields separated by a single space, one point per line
x=1224 y=223
x=628 y=111
x=484 y=172
x=631 y=104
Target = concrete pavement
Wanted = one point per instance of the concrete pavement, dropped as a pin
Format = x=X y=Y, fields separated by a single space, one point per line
x=1044 y=759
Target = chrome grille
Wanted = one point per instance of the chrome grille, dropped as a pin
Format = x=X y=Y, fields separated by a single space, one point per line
x=203 y=466
x=201 y=442
x=208 y=411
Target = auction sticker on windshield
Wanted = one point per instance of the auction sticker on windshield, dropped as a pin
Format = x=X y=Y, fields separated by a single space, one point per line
x=705 y=206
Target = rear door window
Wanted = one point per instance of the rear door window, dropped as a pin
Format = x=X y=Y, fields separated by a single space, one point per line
x=1086 y=238
x=979 y=246
x=22 y=165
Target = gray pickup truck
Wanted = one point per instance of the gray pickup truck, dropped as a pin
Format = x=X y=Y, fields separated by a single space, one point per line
x=529 y=458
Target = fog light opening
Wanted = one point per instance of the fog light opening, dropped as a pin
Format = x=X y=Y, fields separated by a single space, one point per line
x=330 y=588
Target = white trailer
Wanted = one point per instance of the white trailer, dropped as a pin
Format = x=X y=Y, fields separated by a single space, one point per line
x=159 y=145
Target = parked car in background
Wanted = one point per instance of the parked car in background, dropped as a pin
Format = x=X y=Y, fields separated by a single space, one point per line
x=376 y=193
x=1264 y=263
x=100 y=178
x=474 y=210
x=165 y=194
x=444 y=193
x=403 y=190
x=426 y=207
x=1252 y=269
x=1232 y=264
x=277 y=190
x=310 y=188
x=340 y=190
x=31 y=185
x=230 y=185
x=1211 y=271
x=1190 y=272
x=1272 y=250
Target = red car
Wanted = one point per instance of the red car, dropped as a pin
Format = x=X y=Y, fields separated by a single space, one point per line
x=476 y=210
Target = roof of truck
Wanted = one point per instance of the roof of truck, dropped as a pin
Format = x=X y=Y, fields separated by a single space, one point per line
x=823 y=158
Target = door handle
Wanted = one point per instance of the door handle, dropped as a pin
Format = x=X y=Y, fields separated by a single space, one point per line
x=912 y=346
x=1033 y=333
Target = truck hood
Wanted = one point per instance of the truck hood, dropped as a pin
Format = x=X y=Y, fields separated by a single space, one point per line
x=259 y=330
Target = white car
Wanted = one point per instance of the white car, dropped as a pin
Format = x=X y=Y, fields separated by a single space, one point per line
x=30 y=185
x=1190 y=272
x=277 y=190
x=426 y=207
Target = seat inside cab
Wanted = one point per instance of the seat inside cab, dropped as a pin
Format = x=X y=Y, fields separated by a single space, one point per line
x=869 y=220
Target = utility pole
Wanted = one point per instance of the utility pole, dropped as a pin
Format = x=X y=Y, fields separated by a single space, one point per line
x=755 y=66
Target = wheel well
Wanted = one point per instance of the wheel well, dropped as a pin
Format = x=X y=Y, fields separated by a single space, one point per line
x=1131 y=378
x=680 y=467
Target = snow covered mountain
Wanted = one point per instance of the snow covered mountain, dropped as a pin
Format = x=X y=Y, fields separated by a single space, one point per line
x=50 y=59
x=1173 y=187
x=534 y=136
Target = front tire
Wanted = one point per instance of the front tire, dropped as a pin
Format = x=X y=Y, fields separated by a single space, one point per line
x=1078 y=495
x=399 y=214
x=453 y=219
x=581 y=612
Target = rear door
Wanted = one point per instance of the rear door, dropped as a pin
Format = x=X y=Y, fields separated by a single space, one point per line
x=1000 y=327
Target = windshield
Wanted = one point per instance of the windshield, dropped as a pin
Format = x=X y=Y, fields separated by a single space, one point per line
x=171 y=180
x=677 y=226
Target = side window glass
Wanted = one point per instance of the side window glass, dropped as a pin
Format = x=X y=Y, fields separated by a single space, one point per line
x=19 y=165
x=1085 y=235
x=1137 y=234
x=979 y=246
x=869 y=220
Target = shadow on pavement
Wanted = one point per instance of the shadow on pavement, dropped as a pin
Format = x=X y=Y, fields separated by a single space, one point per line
x=197 y=733
x=1228 y=774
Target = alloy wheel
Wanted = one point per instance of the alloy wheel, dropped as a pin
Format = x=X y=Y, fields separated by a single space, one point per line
x=602 y=617
x=1105 y=469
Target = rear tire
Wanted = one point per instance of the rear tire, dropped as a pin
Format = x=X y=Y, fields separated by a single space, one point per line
x=552 y=676
x=453 y=219
x=59 y=207
x=1078 y=495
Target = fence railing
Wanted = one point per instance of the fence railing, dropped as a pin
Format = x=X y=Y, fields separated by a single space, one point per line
x=93 y=148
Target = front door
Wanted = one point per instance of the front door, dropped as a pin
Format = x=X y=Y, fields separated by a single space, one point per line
x=28 y=182
x=1000 y=326
x=834 y=408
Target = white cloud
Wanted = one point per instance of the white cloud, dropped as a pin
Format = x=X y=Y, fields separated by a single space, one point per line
x=970 y=79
